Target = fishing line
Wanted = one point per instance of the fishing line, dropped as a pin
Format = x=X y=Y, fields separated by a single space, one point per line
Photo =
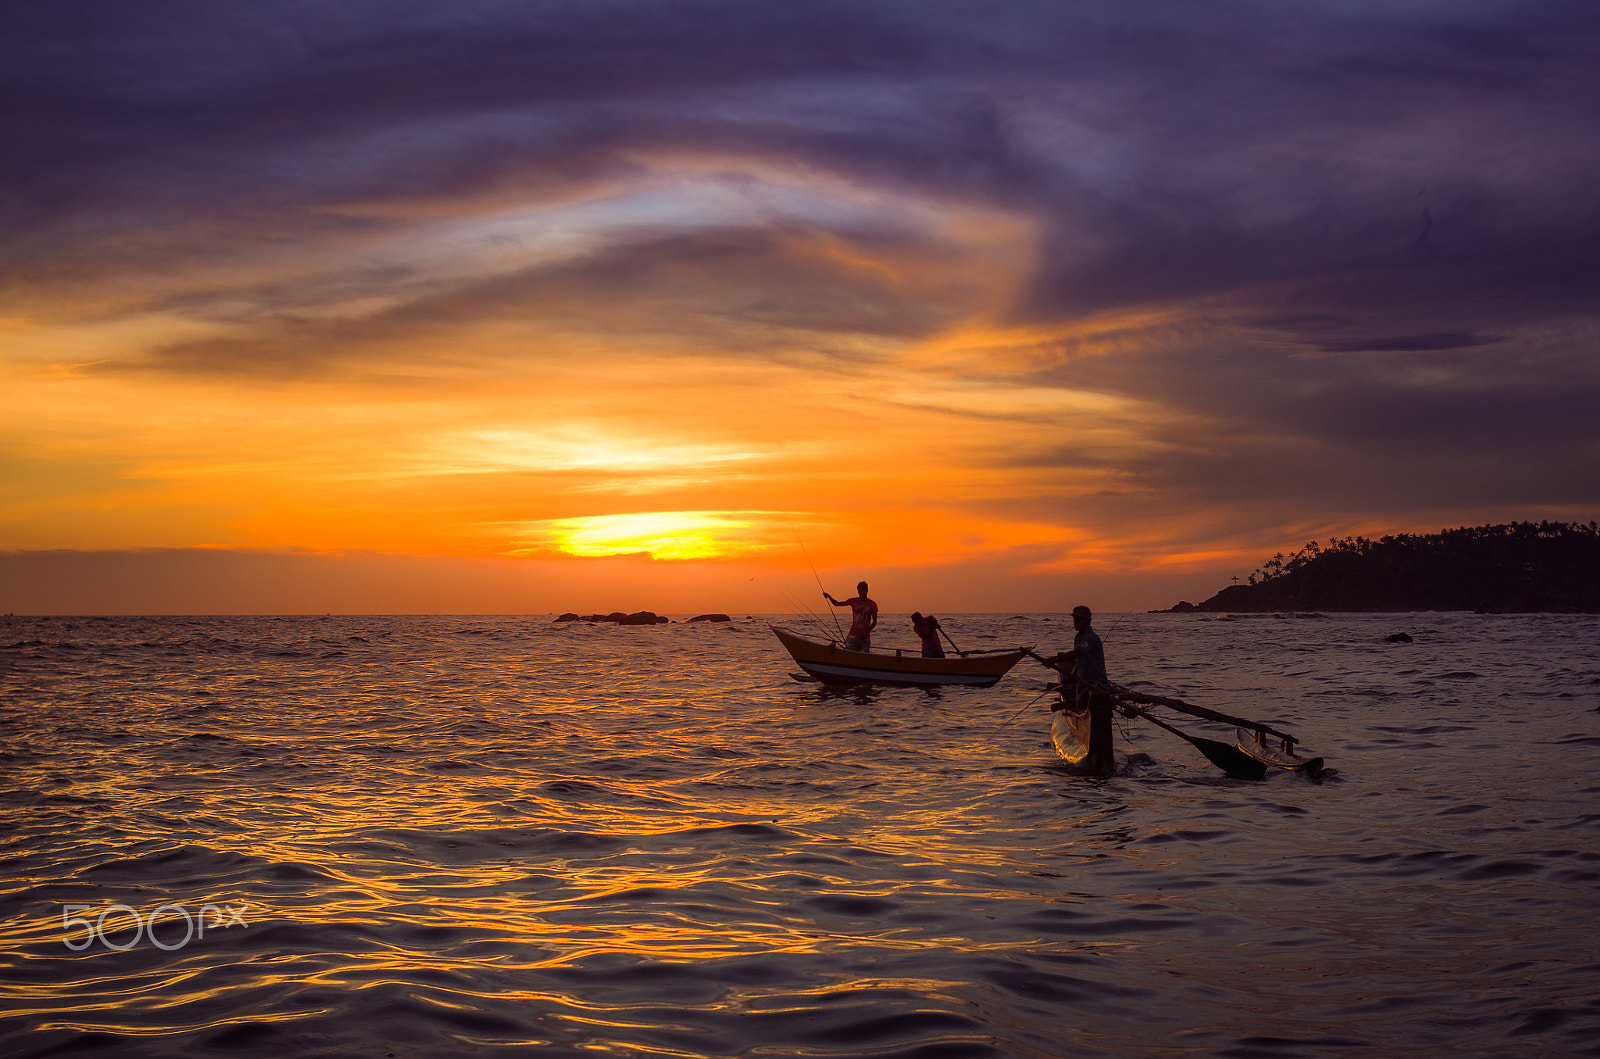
x=803 y=615
x=1025 y=705
x=814 y=573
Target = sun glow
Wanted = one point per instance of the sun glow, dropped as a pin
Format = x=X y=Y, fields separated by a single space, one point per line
x=789 y=401
x=660 y=534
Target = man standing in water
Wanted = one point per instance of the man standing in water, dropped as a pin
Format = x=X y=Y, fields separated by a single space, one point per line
x=1084 y=667
x=1087 y=657
x=863 y=618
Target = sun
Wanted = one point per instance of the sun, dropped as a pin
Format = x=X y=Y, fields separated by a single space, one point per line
x=672 y=535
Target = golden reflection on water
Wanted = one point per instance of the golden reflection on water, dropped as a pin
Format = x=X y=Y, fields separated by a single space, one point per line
x=659 y=834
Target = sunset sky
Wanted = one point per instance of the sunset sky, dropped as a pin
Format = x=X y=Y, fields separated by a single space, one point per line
x=528 y=307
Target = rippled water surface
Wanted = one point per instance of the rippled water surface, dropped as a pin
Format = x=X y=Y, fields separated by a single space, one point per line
x=426 y=836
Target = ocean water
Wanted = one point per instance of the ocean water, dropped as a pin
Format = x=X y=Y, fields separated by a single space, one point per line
x=445 y=836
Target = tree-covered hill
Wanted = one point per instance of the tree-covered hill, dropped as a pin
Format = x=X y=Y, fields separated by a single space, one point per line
x=1523 y=567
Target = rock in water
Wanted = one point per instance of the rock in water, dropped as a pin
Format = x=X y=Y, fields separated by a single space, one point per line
x=643 y=617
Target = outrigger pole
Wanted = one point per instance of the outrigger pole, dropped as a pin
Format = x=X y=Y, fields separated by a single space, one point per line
x=1199 y=711
x=1229 y=759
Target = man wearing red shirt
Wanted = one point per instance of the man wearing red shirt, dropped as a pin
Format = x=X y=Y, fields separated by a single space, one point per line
x=927 y=628
x=863 y=618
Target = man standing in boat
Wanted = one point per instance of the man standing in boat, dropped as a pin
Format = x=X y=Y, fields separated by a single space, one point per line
x=928 y=629
x=863 y=618
x=1084 y=669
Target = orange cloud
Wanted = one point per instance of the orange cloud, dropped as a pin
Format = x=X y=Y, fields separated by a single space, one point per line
x=784 y=372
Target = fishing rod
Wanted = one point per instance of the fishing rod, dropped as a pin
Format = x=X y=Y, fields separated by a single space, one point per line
x=804 y=615
x=814 y=574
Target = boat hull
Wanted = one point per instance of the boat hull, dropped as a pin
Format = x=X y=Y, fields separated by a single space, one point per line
x=832 y=664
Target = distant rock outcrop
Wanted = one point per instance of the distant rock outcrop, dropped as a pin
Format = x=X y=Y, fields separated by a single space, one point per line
x=710 y=617
x=643 y=617
x=1519 y=568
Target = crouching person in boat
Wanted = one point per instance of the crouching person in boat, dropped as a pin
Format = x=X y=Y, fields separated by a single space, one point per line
x=1085 y=688
x=863 y=618
x=927 y=627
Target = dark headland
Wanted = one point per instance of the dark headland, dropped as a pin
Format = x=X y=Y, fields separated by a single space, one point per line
x=1517 y=568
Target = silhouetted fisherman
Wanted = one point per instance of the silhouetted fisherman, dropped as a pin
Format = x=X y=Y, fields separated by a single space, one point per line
x=863 y=618
x=928 y=629
x=1085 y=687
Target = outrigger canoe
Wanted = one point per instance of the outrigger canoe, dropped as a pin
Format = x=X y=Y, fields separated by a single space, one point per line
x=1082 y=737
x=832 y=664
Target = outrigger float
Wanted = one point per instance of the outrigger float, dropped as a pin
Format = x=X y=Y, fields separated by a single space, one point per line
x=831 y=663
x=1082 y=736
